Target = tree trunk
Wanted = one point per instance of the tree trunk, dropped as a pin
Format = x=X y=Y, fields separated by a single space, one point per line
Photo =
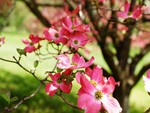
x=122 y=94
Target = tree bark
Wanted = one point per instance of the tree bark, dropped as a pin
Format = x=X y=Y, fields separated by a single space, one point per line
x=122 y=94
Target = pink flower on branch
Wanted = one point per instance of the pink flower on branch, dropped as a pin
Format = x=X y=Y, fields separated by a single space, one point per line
x=31 y=45
x=59 y=81
x=2 y=40
x=127 y=14
x=147 y=81
x=77 y=40
x=72 y=24
x=76 y=63
x=94 y=95
x=56 y=36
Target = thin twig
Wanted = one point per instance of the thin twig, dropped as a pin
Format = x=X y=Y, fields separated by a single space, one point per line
x=66 y=101
x=23 y=100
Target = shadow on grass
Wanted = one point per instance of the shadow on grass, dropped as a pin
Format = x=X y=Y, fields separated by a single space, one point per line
x=23 y=85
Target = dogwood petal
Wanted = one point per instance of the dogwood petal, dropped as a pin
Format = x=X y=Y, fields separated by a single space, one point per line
x=88 y=103
x=50 y=89
x=66 y=88
x=126 y=6
x=148 y=73
x=87 y=86
x=146 y=83
x=137 y=12
x=29 y=49
x=111 y=104
x=123 y=15
x=109 y=86
x=78 y=76
x=64 y=61
x=97 y=74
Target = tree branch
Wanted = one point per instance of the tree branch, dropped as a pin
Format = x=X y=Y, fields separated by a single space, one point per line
x=34 y=9
x=140 y=74
x=137 y=58
x=23 y=100
x=50 y=5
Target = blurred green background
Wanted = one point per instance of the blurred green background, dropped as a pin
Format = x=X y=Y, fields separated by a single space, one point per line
x=19 y=24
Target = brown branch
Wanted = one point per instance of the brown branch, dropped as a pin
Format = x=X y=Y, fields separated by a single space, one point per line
x=133 y=2
x=50 y=5
x=101 y=37
x=137 y=58
x=140 y=74
x=147 y=111
x=23 y=100
x=66 y=101
x=34 y=9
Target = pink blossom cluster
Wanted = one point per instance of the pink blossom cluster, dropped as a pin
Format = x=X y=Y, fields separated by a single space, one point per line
x=70 y=32
x=135 y=13
x=147 y=81
x=94 y=94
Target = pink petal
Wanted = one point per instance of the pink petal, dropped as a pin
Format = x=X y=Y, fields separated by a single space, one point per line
x=111 y=105
x=25 y=41
x=47 y=35
x=123 y=15
x=55 y=76
x=146 y=83
x=97 y=74
x=87 y=86
x=66 y=88
x=2 y=40
x=90 y=62
x=127 y=6
x=88 y=71
x=137 y=12
x=77 y=59
x=109 y=86
x=64 y=61
x=67 y=23
x=148 y=73
x=88 y=103
x=29 y=49
x=78 y=76
x=81 y=91
x=50 y=89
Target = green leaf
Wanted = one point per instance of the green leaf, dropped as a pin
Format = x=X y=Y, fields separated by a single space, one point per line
x=59 y=70
x=36 y=63
x=69 y=79
x=21 y=52
x=5 y=94
x=13 y=99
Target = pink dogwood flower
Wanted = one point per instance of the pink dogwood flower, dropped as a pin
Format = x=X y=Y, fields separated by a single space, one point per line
x=53 y=35
x=76 y=63
x=147 y=81
x=72 y=24
x=127 y=14
x=77 y=40
x=2 y=41
x=30 y=45
x=59 y=82
x=94 y=95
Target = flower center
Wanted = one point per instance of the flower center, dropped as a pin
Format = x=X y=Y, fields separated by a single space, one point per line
x=75 y=41
x=93 y=82
x=129 y=13
x=59 y=80
x=74 y=63
x=56 y=35
x=98 y=95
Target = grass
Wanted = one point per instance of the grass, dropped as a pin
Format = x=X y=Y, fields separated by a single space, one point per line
x=21 y=84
